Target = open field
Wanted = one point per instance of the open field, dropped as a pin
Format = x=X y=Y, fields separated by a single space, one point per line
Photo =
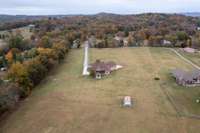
x=25 y=32
x=2 y=44
x=66 y=102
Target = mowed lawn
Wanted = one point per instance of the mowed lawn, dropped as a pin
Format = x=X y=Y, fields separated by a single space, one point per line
x=67 y=102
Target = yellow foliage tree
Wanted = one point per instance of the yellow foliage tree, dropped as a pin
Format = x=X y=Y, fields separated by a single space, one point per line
x=9 y=57
x=18 y=74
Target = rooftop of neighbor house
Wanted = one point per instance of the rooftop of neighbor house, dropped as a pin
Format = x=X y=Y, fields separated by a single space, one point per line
x=189 y=50
x=102 y=66
x=186 y=75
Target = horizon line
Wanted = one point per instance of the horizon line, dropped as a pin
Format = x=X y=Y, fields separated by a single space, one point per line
x=87 y=14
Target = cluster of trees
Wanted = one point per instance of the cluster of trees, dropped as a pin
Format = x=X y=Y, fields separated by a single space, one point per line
x=144 y=29
x=28 y=62
x=29 y=73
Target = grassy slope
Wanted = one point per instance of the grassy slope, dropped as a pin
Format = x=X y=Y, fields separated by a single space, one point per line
x=66 y=102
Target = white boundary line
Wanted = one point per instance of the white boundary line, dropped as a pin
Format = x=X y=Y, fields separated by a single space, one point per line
x=183 y=58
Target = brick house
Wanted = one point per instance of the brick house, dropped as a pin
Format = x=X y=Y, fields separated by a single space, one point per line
x=99 y=69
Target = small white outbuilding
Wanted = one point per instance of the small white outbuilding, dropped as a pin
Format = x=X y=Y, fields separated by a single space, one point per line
x=127 y=101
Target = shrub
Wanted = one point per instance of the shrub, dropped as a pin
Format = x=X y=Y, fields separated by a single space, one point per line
x=36 y=71
x=182 y=36
x=16 y=42
x=60 y=50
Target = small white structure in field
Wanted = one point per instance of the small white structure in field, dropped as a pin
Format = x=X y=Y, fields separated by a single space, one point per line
x=127 y=101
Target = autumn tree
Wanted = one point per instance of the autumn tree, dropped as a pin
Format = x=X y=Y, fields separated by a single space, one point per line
x=36 y=71
x=130 y=40
x=60 y=50
x=18 y=74
x=182 y=36
x=16 y=41
x=45 y=42
x=9 y=57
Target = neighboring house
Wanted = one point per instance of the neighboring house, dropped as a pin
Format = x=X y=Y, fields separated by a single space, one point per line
x=118 y=41
x=125 y=42
x=167 y=43
x=76 y=44
x=100 y=69
x=189 y=50
x=184 y=78
x=31 y=26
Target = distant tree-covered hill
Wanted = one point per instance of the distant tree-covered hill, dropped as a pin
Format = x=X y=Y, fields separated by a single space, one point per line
x=10 y=18
x=192 y=14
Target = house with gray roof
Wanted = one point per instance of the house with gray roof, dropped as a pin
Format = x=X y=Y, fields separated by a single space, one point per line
x=187 y=78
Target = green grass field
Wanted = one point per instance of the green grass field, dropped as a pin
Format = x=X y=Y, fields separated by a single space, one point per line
x=67 y=102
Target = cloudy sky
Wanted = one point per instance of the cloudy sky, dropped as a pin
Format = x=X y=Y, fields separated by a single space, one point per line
x=44 y=7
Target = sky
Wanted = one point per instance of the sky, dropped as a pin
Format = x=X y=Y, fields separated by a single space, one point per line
x=54 y=7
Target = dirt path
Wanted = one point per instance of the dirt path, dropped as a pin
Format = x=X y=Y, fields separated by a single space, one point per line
x=186 y=60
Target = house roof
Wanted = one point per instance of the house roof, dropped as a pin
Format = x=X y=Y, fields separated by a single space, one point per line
x=111 y=64
x=178 y=73
x=102 y=66
x=184 y=75
x=189 y=50
x=118 y=38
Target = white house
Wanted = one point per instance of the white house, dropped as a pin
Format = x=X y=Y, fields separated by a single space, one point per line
x=166 y=42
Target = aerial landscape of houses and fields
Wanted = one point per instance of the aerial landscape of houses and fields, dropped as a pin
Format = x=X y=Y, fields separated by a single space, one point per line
x=118 y=72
